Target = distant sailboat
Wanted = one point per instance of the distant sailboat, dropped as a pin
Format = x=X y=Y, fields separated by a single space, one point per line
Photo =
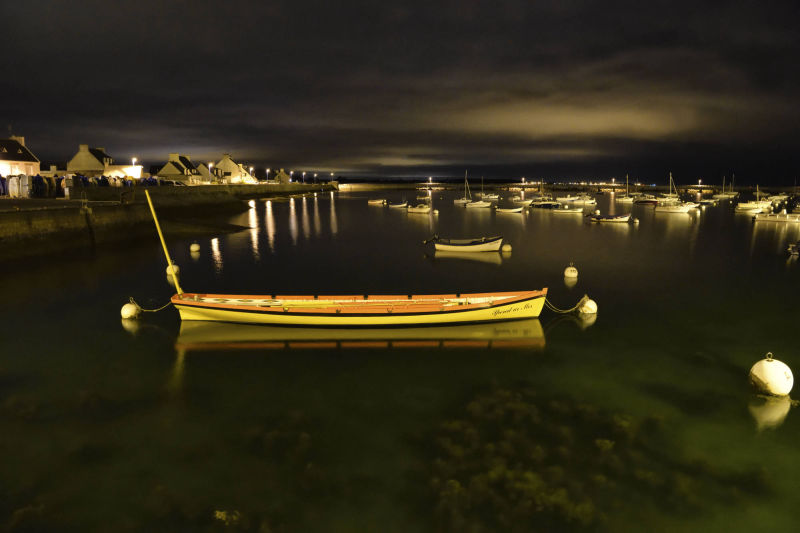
x=467 y=198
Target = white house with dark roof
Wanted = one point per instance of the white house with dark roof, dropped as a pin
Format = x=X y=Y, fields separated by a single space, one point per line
x=15 y=158
x=229 y=171
x=180 y=167
x=93 y=162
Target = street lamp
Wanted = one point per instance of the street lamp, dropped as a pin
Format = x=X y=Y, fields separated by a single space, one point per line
x=291 y=173
x=251 y=172
x=268 y=174
x=304 y=176
x=210 y=170
x=315 y=177
x=331 y=176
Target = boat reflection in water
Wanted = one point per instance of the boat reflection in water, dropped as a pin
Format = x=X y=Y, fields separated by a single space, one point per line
x=196 y=335
x=492 y=258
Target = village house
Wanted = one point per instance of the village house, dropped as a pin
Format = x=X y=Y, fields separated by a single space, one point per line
x=16 y=159
x=93 y=162
x=180 y=168
x=229 y=171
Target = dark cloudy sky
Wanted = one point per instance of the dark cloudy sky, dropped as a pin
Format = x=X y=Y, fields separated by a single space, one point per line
x=537 y=88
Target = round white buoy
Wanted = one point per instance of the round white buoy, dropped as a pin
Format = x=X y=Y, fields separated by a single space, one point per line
x=251 y=203
x=435 y=211
x=194 y=247
x=173 y=268
x=129 y=310
x=597 y=212
x=589 y=307
x=570 y=271
x=634 y=221
x=783 y=211
x=505 y=248
x=770 y=376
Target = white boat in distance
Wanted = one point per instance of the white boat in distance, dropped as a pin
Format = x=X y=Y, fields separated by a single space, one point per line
x=627 y=199
x=725 y=195
x=585 y=199
x=566 y=199
x=756 y=206
x=480 y=244
x=490 y=196
x=478 y=204
x=420 y=208
x=596 y=217
x=673 y=208
x=377 y=201
x=399 y=206
x=509 y=209
x=467 y=198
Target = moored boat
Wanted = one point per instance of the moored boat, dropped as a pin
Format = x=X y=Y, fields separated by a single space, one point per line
x=567 y=210
x=478 y=204
x=596 y=217
x=399 y=206
x=777 y=217
x=377 y=201
x=479 y=244
x=509 y=209
x=361 y=310
x=420 y=208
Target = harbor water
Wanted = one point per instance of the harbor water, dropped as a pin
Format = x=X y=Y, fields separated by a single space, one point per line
x=638 y=418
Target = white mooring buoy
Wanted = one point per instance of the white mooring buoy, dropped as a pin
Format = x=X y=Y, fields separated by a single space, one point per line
x=772 y=377
x=194 y=247
x=129 y=310
x=173 y=268
x=505 y=248
x=589 y=307
x=571 y=271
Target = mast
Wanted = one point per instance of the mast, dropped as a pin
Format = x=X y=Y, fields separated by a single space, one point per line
x=626 y=186
x=163 y=244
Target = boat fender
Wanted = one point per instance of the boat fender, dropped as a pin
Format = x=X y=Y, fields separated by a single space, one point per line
x=129 y=311
x=571 y=271
x=505 y=248
x=173 y=268
x=597 y=212
x=194 y=247
x=772 y=377
x=589 y=307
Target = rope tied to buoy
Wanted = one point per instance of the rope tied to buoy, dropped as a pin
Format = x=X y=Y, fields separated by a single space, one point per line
x=150 y=310
x=577 y=306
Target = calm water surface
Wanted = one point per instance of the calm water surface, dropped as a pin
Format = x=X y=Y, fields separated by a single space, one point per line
x=639 y=420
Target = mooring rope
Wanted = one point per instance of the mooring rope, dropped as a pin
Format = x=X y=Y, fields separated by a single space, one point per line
x=555 y=309
x=150 y=310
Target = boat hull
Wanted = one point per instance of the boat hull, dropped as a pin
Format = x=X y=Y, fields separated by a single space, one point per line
x=360 y=311
x=477 y=245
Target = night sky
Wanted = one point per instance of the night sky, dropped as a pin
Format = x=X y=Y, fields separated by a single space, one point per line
x=551 y=89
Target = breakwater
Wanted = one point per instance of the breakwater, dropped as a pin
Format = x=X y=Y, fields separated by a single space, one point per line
x=106 y=215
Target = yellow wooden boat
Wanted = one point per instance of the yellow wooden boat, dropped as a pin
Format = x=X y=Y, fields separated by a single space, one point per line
x=362 y=310
x=353 y=310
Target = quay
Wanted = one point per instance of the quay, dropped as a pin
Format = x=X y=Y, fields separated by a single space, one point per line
x=95 y=216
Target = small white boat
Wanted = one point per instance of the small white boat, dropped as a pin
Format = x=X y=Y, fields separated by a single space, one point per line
x=519 y=201
x=377 y=201
x=509 y=209
x=626 y=198
x=480 y=244
x=399 y=206
x=478 y=204
x=490 y=196
x=597 y=217
x=585 y=199
x=420 y=208
x=467 y=198
x=547 y=204
x=755 y=206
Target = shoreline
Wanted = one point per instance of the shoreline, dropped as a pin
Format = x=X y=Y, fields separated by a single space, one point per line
x=102 y=216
